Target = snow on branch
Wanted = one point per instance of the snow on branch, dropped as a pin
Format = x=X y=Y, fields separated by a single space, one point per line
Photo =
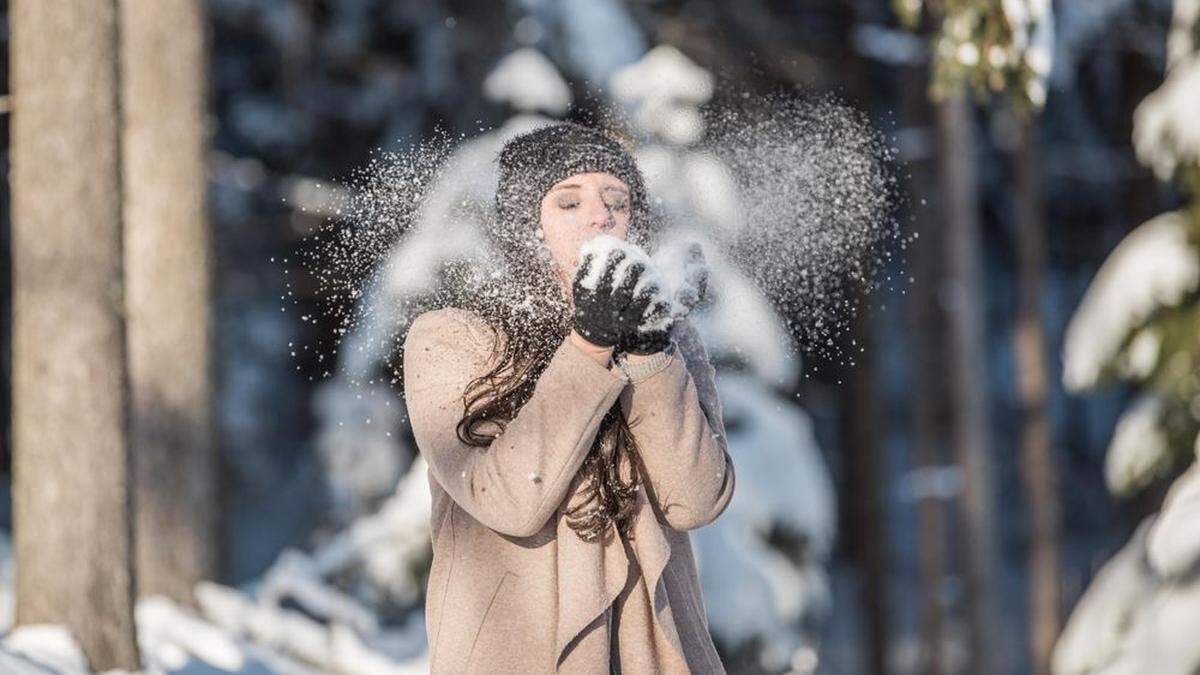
x=1154 y=266
x=1165 y=133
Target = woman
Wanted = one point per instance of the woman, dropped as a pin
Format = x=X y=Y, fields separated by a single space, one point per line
x=572 y=431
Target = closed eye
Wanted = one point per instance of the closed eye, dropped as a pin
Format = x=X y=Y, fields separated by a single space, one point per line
x=618 y=205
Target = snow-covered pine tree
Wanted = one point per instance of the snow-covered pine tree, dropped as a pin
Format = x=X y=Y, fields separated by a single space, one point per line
x=1139 y=323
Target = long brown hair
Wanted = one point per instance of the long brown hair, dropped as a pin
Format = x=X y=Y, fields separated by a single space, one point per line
x=530 y=315
x=523 y=346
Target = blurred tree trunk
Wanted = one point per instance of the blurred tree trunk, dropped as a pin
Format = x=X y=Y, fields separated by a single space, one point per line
x=71 y=497
x=867 y=464
x=926 y=321
x=968 y=371
x=865 y=426
x=167 y=273
x=1038 y=468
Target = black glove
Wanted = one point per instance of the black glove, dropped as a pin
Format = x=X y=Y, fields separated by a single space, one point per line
x=602 y=309
x=610 y=314
x=652 y=331
x=694 y=288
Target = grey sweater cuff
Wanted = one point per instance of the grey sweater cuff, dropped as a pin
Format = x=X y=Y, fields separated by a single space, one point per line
x=641 y=370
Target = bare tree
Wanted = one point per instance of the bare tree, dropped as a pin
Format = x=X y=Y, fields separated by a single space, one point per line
x=168 y=280
x=926 y=321
x=1039 y=472
x=71 y=453
x=867 y=466
x=968 y=370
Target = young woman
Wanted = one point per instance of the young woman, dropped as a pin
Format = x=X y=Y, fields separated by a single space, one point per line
x=572 y=431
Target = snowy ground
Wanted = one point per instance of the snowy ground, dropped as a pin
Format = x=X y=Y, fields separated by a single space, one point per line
x=234 y=631
x=249 y=639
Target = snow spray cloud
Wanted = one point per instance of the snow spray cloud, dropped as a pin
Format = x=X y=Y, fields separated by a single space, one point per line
x=816 y=195
x=377 y=205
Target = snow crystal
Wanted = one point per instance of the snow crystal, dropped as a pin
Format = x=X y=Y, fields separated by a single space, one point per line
x=733 y=303
x=685 y=273
x=790 y=202
x=799 y=192
x=1154 y=266
x=817 y=190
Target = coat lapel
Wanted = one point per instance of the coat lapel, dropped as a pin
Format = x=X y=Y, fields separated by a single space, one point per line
x=592 y=574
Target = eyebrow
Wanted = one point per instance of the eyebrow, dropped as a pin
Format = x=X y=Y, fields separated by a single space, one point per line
x=574 y=185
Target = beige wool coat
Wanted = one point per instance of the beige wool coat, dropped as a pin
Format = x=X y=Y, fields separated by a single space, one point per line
x=512 y=588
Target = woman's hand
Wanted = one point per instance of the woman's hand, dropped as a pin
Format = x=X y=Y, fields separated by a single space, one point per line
x=694 y=288
x=601 y=355
x=619 y=301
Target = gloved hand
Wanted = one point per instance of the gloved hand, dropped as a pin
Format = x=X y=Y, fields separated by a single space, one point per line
x=619 y=301
x=694 y=286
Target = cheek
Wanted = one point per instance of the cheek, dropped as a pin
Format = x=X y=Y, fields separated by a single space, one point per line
x=562 y=236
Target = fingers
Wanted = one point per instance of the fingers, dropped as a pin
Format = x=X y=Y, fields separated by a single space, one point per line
x=596 y=275
x=657 y=316
x=696 y=273
x=610 y=269
x=630 y=277
x=701 y=283
x=619 y=267
x=585 y=267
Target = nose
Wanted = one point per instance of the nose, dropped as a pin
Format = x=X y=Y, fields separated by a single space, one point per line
x=600 y=216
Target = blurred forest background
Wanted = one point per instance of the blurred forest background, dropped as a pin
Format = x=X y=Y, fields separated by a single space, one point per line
x=1026 y=401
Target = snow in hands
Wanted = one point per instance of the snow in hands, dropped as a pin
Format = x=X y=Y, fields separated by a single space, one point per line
x=594 y=256
x=601 y=248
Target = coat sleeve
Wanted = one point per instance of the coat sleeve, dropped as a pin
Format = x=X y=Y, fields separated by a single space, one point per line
x=676 y=418
x=515 y=484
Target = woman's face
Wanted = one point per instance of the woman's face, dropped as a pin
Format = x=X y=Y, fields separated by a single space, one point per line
x=578 y=208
